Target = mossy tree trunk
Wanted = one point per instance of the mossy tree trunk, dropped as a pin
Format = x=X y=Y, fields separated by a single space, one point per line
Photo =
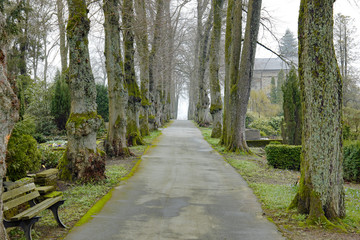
x=233 y=71
x=193 y=89
x=203 y=100
x=321 y=192
x=115 y=144
x=154 y=69
x=134 y=100
x=141 y=37
x=242 y=87
x=8 y=113
x=82 y=160
x=228 y=37
x=169 y=89
x=215 y=93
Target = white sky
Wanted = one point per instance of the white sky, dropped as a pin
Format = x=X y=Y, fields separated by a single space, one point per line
x=284 y=14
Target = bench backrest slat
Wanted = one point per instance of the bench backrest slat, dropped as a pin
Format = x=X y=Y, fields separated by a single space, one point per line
x=18 y=191
x=20 y=200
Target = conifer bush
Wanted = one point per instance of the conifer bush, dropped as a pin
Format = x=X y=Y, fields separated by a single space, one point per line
x=23 y=155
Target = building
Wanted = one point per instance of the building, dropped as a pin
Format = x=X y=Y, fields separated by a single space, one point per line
x=265 y=69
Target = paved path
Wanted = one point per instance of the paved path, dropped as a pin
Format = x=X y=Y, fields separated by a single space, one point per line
x=182 y=190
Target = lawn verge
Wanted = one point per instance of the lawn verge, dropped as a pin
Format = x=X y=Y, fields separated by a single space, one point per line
x=275 y=189
x=84 y=200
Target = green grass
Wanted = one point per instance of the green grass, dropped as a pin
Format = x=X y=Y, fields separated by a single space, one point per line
x=274 y=196
x=352 y=204
x=81 y=197
x=276 y=188
x=148 y=139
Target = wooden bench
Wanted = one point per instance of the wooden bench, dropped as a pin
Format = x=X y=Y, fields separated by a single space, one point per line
x=20 y=193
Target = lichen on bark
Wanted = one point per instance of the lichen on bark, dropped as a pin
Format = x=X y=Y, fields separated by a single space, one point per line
x=134 y=100
x=216 y=101
x=9 y=106
x=321 y=192
x=115 y=143
x=141 y=38
x=240 y=79
x=81 y=161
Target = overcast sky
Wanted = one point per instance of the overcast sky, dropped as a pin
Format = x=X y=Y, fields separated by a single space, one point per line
x=284 y=14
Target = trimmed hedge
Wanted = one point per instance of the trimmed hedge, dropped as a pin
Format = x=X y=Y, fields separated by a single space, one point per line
x=261 y=143
x=288 y=157
x=283 y=156
x=351 y=163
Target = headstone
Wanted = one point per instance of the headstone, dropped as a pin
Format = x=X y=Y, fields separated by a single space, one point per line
x=252 y=134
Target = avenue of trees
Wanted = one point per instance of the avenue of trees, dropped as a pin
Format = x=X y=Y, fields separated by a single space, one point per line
x=150 y=55
x=309 y=98
x=140 y=64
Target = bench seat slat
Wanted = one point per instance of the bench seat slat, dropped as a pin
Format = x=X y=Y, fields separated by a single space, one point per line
x=18 y=191
x=45 y=189
x=33 y=211
x=20 y=200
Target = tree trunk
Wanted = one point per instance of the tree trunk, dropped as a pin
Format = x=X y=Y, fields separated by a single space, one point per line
x=238 y=141
x=321 y=192
x=169 y=31
x=141 y=36
x=134 y=100
x=203 y=100
x=236 y=34
x=154 y=69
x=115 y=144
x=63 y=47
x=82 y=160
x=215 y=93
x=228 y=37
x=8 y=114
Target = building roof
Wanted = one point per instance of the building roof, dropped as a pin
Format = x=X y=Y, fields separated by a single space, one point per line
x=262 y=64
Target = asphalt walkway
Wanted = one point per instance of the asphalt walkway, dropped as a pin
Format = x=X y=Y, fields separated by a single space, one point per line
x=182 y=190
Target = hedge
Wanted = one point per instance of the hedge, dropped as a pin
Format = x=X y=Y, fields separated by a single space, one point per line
x=288 y=157
x=283 y=156
x=351 y=163
x=261 y=143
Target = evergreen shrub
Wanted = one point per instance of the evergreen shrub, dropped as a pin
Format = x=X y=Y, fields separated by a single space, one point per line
x=352 y=161
x=283 y=156
x=22 y=154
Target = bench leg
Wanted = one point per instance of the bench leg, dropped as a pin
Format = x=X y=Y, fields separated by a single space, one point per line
x=26 y=225
x=55 y=210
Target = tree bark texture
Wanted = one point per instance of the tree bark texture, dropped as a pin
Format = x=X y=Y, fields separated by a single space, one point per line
x=134 y=100
x=169 y=56
x=141 y=37
x=82 y=160
x=115 y=144
x=242 y=92
x=321 y=192
x=234 y=61
x=203 y=100
x=154 y=67
x=215 y=92
x=228 y=37
x=8 y=113
x=62 y=36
